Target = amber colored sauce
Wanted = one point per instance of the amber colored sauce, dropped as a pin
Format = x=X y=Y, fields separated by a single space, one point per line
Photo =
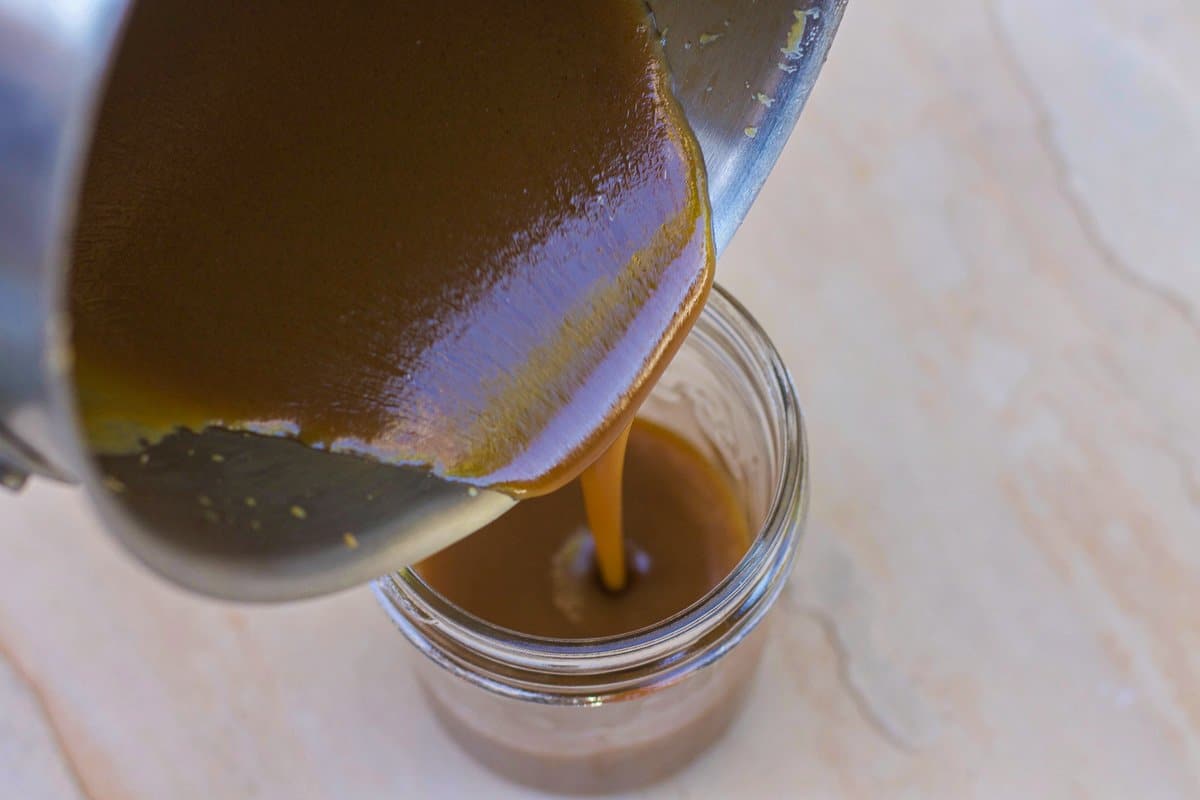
x=534 y=570
x=602 y=502
x=462 y=235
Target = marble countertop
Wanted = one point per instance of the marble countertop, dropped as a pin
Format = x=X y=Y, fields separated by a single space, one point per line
x=980 y=255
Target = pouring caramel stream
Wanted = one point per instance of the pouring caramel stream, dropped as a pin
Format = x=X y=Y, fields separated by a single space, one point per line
x=601 y=484
x=536 y=569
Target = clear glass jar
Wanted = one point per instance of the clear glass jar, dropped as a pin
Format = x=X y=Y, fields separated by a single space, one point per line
x=593 y=715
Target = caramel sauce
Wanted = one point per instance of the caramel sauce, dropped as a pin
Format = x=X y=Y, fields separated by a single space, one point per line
x=602 y=501
x=465 y=236
x=535 y=570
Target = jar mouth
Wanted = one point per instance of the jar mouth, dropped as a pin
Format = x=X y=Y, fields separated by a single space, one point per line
x=511 y=662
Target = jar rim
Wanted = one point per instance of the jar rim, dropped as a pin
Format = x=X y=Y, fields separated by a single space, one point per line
x=553 y=670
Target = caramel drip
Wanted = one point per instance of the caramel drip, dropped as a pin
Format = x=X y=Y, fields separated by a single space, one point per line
x=601 y=484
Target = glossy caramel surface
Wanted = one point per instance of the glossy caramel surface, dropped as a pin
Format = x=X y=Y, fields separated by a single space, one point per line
x=534 y=569
x=456 y=235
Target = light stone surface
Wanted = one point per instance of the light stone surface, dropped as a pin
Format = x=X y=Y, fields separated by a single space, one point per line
x=980 y=255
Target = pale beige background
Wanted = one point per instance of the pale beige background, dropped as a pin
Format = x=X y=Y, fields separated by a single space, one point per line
x=979 y=255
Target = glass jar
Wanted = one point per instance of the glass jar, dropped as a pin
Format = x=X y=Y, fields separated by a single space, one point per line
x=608 y=714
